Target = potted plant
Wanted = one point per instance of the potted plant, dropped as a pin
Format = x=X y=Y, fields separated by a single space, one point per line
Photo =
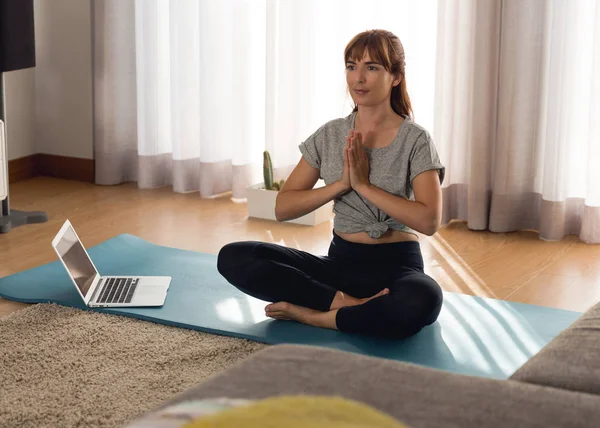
x=261 y=198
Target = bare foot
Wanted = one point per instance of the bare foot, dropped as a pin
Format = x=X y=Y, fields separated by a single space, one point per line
x=341 y=299
x=289 y=311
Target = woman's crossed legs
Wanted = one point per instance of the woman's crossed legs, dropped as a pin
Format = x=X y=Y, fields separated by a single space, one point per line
x=332 y=293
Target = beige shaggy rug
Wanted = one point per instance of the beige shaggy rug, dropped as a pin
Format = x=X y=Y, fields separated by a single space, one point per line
x=64 y=367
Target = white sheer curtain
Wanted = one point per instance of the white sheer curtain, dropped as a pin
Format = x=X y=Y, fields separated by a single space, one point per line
x=217 y=82
x=517 y=112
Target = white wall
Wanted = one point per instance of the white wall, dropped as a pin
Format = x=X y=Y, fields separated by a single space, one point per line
x=63 y=78
x=20 y=112
x=49 y=107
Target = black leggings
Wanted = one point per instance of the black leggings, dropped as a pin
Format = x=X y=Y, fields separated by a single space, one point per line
x=276 y=273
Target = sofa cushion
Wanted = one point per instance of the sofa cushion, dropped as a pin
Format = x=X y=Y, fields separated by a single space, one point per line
x=570 y=361
x=418 y=396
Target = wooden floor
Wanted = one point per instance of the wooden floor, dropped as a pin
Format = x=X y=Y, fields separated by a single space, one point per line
x=510 y=266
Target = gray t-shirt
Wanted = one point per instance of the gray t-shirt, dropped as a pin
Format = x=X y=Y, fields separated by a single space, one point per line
x=391 y=168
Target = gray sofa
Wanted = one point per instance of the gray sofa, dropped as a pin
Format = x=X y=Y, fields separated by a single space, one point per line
x=558 y=387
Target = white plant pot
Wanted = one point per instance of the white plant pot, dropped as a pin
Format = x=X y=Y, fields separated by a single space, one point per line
x=261 y=204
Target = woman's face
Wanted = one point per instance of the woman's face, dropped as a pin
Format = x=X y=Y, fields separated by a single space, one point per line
x=369 y=82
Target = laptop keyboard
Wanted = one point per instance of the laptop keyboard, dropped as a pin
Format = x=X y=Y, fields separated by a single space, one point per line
x=118 y=290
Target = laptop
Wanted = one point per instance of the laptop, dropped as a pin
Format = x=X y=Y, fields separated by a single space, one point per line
x=105 y=291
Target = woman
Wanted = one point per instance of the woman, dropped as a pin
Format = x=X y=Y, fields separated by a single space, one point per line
x=383 y=172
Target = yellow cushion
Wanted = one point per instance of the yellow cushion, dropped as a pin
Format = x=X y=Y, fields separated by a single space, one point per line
x=299 y=411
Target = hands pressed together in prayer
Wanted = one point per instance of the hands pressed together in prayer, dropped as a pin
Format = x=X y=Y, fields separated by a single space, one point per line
x=356 y=163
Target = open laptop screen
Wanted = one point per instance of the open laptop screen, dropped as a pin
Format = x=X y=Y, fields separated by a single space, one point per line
x=76 y=260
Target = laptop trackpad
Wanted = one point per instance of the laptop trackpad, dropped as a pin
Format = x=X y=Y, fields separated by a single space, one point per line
x=149 y=295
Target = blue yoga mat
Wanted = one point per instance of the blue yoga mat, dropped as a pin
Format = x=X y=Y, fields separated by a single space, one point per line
x=473 y=335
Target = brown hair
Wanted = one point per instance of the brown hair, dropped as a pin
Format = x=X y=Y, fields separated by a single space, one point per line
x=385 y=48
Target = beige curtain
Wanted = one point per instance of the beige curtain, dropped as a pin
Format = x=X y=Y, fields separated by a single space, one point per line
x=516 y=119
x=147 y=103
